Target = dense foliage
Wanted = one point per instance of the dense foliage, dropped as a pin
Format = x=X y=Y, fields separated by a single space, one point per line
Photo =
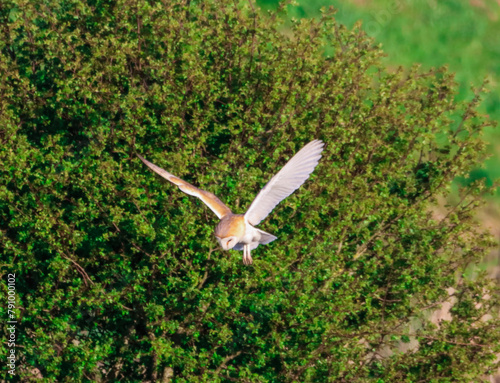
x=119 y=277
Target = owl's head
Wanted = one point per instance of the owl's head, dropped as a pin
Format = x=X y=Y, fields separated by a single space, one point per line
x=229 y=231
x=228 y=243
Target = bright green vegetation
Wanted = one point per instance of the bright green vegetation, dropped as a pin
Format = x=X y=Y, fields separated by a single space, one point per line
x=118 y=274
x=462 y=36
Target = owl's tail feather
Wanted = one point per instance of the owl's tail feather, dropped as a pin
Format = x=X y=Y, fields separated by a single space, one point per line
x=266 y=238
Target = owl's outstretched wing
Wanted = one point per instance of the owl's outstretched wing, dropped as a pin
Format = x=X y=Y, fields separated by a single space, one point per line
x=288 y=179
x=215 y=204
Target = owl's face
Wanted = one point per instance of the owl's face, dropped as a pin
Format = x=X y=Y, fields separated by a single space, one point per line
x=229 y=230
x=227 y=243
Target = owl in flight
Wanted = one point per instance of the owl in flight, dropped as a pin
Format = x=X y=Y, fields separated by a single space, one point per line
x=238 y=231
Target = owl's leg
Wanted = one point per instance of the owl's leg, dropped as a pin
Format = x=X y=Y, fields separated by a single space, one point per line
x=247 y=258
x=245 y=254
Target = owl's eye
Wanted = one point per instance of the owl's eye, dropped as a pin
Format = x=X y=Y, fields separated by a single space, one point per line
x=228 y=242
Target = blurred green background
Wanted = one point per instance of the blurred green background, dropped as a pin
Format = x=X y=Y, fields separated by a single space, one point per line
x=463 y=35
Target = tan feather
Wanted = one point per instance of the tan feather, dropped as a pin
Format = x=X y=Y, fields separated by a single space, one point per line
x=231 y=225
x=209 y=199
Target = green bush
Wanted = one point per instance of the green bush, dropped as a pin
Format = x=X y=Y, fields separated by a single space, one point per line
x=118 y=275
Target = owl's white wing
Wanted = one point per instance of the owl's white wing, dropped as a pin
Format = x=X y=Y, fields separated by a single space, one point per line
x=215 y=204
x=288 y=179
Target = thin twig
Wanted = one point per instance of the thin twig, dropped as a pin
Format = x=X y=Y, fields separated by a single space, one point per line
x=227 y=359
x=80 y=269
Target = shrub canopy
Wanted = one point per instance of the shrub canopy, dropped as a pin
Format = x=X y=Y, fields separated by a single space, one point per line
x=119 y=277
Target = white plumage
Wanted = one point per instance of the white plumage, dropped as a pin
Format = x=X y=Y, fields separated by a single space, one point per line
x=288 y=179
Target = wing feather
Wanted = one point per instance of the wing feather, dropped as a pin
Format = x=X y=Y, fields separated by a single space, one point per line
x=209 y=199
x=288 y=179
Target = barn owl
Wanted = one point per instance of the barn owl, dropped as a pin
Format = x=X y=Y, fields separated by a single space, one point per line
x=238 y=231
